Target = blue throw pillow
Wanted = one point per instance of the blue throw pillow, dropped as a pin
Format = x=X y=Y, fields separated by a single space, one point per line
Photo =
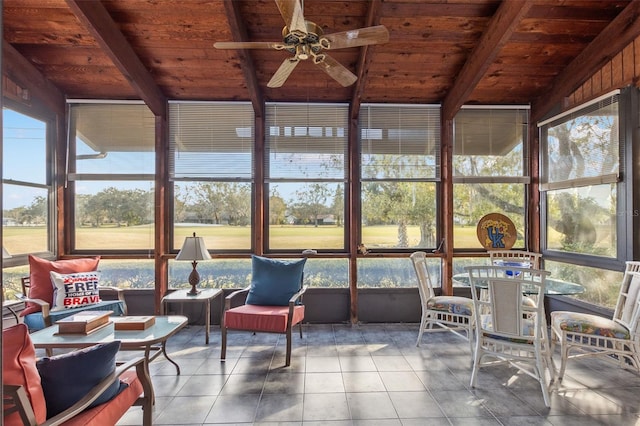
x=273 y=282
x=67 y=378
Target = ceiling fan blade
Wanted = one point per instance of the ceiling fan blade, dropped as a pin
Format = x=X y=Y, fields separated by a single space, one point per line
x=337 y=71
x=286 y=68
x=246 y=45
x=291 y=11
x=358 y=37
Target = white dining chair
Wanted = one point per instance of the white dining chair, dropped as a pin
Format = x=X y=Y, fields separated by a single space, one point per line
x=517 y=258
x=449 y=313
x=508 y=331
x=510 y=257
x=614 y=339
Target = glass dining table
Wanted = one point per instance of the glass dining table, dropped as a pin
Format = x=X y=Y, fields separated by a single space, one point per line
x=553 y=286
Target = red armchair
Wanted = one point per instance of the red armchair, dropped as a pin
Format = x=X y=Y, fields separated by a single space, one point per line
x=24 y=399
x=273 y=303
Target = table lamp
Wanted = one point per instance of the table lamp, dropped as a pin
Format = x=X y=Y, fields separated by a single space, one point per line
x=193 y=250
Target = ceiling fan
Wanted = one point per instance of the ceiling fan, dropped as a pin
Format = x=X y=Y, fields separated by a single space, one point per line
x=306 y=40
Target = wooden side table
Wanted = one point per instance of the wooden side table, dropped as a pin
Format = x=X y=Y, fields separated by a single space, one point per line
x=205 y=296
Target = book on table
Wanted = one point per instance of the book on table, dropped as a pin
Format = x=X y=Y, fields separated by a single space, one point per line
x=84 y=322
x=134 y=322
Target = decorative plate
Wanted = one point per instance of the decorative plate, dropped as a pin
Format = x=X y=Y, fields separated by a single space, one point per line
x=496 y=232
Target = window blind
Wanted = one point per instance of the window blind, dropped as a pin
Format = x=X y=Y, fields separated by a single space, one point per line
x=211 y=140
x=112 y=141
x=399 y=141
x=582 y=148
x=489 y=142
x=306 y=142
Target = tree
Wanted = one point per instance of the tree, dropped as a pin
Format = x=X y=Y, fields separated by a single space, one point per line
x=37 y=210
x=575 y=147
x=396 y=197
x=312 y=199
x=237 y=203
x=277 y=208
x=337 y=207
x=96 y=208
x=181 y=199
x=208 y=202
x=216 y=202
x=127 y=207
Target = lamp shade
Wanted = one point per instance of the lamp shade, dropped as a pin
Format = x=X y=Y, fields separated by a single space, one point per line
x=193 y=248
x=5 y=253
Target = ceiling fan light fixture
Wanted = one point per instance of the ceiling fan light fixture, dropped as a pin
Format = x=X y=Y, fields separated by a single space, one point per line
x=292 y=37
x=302 y=51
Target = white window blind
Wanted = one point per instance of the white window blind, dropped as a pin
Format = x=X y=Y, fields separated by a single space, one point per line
x=211 y=140
x=489 y=142
x=306 y=142
x=112 y=140
x=400 y=141
x=582 y=148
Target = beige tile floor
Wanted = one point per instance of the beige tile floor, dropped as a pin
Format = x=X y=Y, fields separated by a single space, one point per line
x=370 y=375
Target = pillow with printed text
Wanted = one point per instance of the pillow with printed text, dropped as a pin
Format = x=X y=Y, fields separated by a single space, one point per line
x=74 y=290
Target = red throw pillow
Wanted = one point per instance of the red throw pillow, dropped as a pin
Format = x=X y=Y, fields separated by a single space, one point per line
x=19 y=368
x=41 y=287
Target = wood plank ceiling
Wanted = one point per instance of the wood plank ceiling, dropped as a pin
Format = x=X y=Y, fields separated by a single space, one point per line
x=439 y=51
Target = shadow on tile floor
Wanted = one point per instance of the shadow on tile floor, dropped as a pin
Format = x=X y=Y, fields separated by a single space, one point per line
x=374 y=375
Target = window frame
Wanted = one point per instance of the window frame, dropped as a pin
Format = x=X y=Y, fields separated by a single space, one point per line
x=248 y=178
x=628 y=120
x=72 y=178
x=525 y=179
x=51 y=172
x=436 y=179
x=268 y=180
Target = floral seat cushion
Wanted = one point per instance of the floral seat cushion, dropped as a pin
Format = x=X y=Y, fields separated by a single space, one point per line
x=588 y=324
x=451 y=304
x=527 y=325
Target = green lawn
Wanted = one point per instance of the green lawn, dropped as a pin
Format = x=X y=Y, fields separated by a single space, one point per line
x=33 y=239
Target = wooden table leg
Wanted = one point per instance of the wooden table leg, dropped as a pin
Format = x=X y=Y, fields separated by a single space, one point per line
x=207 y=321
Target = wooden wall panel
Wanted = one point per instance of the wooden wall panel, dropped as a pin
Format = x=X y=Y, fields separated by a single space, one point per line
x=628 y=63
x=622 y=70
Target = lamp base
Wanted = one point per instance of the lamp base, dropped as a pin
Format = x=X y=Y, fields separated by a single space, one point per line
x=194 y=279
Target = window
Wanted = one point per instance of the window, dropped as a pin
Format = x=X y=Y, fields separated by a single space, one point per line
x=601 y=286
x=489 y=173
x=27 y=190
x=111 y=166
x=211 y=166
x=400 y=170
x=580 y=167
x=305 y=176
x=394 y=273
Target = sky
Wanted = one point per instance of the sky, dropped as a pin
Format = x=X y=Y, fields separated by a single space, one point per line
x=24 y=159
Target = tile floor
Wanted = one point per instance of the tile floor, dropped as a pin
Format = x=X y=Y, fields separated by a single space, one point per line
x=370 y=375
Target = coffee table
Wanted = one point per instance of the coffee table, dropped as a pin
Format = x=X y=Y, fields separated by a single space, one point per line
x=152 y=340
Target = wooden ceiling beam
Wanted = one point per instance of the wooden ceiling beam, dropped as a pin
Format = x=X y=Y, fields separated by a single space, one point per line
x=500 y=28
x=239 y=33
x=94 y=16
x=622 y=30
x=373 y=18
x=22 y=72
